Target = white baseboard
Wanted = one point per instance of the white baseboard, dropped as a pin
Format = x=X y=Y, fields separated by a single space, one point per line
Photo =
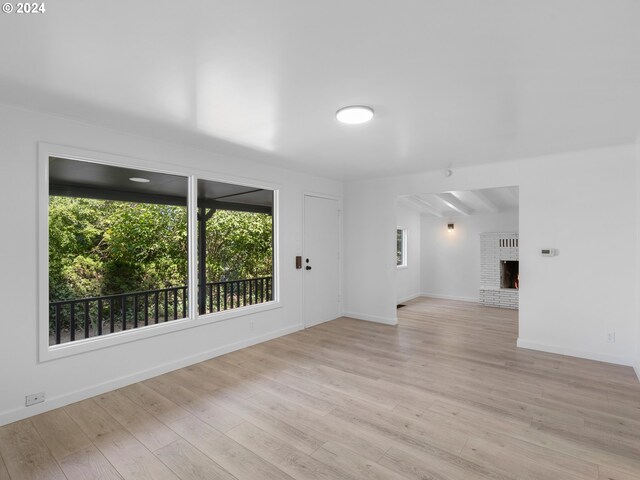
x=66 y=399
x=450 y=297
x=371 y=318
x=571 y=352
x=408 y=298
x=636 y=367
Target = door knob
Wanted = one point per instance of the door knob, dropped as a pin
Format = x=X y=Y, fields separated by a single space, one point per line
x=308 y=267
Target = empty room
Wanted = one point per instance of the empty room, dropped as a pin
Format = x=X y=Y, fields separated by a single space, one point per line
x=320 y=240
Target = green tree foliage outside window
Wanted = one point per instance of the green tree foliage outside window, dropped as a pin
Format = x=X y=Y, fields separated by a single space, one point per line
x=399 y=247
x=101 y=247
x=239 y=245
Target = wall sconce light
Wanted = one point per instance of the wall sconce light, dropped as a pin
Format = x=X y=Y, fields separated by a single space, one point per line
x=450 y=227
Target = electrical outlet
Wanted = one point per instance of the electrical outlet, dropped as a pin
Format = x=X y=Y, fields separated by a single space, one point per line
x=611 y=337
x=33 y=399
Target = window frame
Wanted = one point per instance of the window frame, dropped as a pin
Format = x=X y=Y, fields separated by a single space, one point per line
x=48 y=352
x=404 y=263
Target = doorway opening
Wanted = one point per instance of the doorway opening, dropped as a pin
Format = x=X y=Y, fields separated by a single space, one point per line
x=461 y=246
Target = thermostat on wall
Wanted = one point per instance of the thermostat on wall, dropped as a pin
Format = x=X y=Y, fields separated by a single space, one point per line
x=548 y=252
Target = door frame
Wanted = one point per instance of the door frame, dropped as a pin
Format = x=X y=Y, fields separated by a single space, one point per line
x=338 y=199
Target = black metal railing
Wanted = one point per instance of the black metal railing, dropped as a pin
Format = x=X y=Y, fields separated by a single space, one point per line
x=90 y=317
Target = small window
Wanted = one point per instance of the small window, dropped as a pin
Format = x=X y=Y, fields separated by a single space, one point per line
x=401 y=247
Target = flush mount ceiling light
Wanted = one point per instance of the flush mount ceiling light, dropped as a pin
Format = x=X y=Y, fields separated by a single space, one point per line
x=139 y=180
x=354 y=114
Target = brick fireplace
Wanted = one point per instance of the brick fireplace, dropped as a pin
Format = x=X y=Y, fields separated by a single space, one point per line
x=499 y=270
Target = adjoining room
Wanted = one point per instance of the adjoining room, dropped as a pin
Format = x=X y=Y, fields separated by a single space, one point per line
x=467 y=245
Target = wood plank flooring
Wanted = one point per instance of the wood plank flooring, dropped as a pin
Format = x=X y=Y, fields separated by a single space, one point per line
x=444 y=395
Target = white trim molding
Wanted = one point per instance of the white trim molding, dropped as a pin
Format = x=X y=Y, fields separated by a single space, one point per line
x=372 y=318
x=66 y=399
x=449 y=297
x=636 y=368
x=571 y=352
x=48 y=352
x=408 y=297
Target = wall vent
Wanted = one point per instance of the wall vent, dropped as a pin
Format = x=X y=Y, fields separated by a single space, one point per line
x=508 y=242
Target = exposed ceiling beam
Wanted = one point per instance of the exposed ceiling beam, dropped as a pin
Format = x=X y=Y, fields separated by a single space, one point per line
x=508 y=196
x=409 y=203
x=452 y=202
x=425 y=206
x=512 y=194
x=484 y=200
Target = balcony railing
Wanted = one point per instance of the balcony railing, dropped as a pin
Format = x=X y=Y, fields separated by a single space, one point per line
x=70 y=320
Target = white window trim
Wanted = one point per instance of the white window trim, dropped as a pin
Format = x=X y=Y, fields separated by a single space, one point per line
x=47 y=352
x=405 y=234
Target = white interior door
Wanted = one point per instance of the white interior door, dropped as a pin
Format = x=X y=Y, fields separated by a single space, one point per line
x=321 y=260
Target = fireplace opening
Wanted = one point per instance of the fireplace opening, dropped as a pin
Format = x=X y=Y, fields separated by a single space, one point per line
x=509 y=274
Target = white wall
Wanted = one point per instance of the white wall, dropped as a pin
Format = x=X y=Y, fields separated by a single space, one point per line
x=408 y=278
x=451 y=260
x=73 y=378
x=637 y=363
x=582 y=203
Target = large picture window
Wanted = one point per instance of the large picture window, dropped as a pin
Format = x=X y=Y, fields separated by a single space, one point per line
x=130 y=248
x=117 y=249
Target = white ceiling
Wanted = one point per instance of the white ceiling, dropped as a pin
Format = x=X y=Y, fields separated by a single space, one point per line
x=453 y=82
x=463 y=203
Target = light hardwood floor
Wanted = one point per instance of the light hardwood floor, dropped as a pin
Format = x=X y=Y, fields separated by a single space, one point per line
x=445 y=395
